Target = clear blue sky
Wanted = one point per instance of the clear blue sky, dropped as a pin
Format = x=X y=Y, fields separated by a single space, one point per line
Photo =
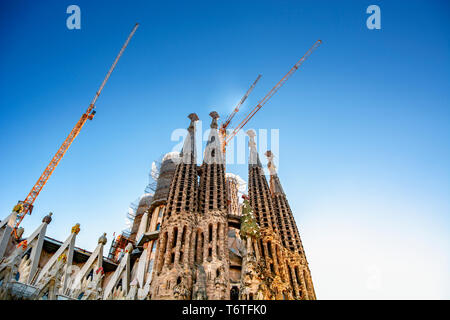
x=364 y=125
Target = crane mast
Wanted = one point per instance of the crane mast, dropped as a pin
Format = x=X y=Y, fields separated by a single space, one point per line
x=236 y=109
x=224 y=126
x=271 y=93
x=26 y=206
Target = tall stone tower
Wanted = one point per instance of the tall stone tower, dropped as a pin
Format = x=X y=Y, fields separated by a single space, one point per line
x=174 y=263
x=298 y=269
x=273 y=264
x=213 y=223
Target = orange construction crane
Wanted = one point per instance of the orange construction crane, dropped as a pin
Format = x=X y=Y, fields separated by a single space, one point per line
x=224 y=126
x=26 y=206
x=270 y=94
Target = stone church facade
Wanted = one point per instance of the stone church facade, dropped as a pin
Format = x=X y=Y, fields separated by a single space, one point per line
x=191 y=239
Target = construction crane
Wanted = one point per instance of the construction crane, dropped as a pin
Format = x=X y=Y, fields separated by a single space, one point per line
x=269 y=95
x=26 y=206
x=224 y=126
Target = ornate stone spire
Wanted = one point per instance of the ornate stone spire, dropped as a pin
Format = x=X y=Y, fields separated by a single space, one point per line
x=213 y=152
x=214 y=115
x=269 y=245
x=183 y=190
x=290 y=236
x=270 y=165
x=213 y=223
x=258 y=189
x=174 y=243
x=254 y=157
x=188 y=153
x=288 y=228
x=212 y=178
x=275 y=184
x=194 y=118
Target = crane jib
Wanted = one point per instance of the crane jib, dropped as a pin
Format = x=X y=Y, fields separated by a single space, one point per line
x=271 y=93
x=26 y=206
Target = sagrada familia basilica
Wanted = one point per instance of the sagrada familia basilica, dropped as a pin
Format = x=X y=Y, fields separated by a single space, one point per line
x=191 y=239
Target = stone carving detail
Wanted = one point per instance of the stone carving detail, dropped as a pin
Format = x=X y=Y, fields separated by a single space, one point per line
x=181 y=290
x=90 y=288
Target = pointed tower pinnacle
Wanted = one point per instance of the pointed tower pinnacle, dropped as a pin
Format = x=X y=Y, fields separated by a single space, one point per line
x=275 y=184
x=188 y=153
x=258 y=188
x=213 y=223
x=194 y=118
x=213 y=152
x=290 y=236
x=254 y=157
x=182 y=194
x=288 y=228
x=214 y=115
x=172 y=261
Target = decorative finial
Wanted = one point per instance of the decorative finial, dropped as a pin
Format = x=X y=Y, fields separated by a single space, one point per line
x=48 y=218
x=270 y=164
x=76 y=228
x=253 y=159
x=102 y=240
x=251 y=133
x=193 y=117
x=214 y=115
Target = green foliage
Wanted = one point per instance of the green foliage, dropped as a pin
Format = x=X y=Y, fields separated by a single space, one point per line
x=249 y=226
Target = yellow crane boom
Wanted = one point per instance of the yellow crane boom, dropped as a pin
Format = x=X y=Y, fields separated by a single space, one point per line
x=26 y=206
